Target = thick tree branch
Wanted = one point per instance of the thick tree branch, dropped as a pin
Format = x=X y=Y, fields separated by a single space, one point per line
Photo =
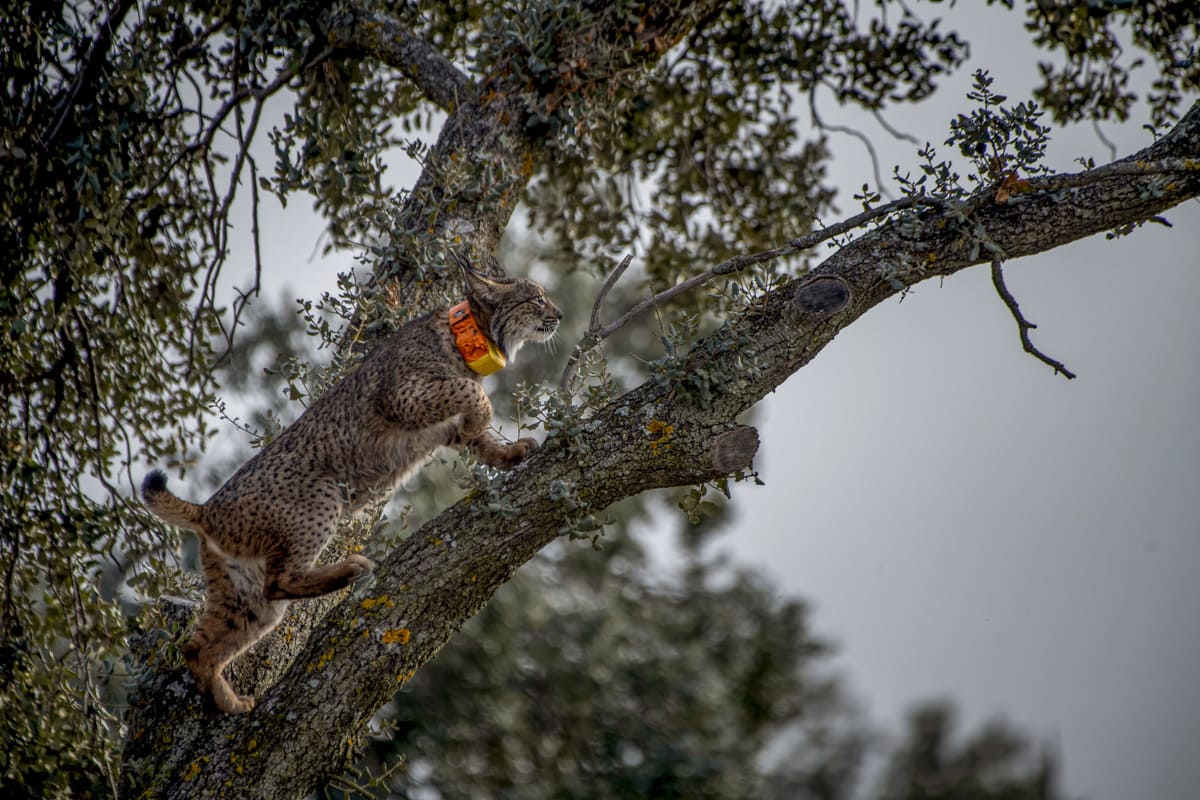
x=654 y=436
x=383 y=37
x=597 y=332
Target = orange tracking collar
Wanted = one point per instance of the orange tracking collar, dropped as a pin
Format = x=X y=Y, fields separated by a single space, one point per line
x=480 y=353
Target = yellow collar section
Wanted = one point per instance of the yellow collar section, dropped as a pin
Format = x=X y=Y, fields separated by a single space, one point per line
x=480 y=353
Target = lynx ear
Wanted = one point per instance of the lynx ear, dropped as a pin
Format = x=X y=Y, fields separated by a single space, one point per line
x=478 y=286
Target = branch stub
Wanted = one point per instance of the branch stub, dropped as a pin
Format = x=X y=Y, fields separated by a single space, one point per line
x=734 y=449
x=822 y=296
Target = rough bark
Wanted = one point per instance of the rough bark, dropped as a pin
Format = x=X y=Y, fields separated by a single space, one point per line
x=655 y=436
x=354 y=32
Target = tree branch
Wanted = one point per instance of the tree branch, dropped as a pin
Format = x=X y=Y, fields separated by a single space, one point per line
x=486 y=152
x=383 y=37
x=596 y=333
x=655 y=436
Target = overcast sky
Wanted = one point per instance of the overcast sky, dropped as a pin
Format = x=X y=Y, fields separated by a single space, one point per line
x=966 y=523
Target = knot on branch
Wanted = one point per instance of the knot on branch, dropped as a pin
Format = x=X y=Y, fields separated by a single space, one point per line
x=822 y=296
x=733 y=450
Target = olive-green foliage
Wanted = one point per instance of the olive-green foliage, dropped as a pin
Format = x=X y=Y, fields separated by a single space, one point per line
x=124 y=138
x=1094 y=38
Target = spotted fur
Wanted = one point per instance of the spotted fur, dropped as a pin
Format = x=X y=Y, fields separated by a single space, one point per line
x=262 y=531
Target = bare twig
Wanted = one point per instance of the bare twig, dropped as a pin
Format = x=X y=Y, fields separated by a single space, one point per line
x=1104 y=140
x=1024 y=325
x=611 y=281
x=588 y=340
x=857 y=134
x=895 y=133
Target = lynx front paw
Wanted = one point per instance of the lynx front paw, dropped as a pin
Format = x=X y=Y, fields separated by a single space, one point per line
x=521 y=448
x=357 y=566
x=503 y=456
x=239 y=704
x=509 y=455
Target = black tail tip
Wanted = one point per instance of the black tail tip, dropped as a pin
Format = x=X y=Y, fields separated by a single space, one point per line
x=154 y=483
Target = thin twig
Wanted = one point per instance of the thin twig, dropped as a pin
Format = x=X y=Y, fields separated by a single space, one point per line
x=611 y=281
x=1024 y=325
x=895 y=133
x=796 y=245
x=857 y=134
x=587 y=341
x=1104 y=140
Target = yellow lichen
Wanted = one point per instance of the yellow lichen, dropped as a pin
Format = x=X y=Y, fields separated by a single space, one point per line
x=372 y=602
x=325 y=658
x=662 y=431
x=194 y=769
x=397 y=636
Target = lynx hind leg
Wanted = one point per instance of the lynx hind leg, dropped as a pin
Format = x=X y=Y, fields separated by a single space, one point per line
x=290 y=571
x=295 y=578
x=236 y=615
x=495 y=453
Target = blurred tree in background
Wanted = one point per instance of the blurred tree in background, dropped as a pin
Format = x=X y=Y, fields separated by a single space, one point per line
x=131 y=138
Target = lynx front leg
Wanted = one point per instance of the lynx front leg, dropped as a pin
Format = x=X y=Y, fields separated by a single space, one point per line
x=466 y=397
x=421 y=404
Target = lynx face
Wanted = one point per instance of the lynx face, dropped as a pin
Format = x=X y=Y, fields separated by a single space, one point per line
x=521 y=312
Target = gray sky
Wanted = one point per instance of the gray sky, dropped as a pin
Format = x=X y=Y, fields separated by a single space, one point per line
x=966 y=523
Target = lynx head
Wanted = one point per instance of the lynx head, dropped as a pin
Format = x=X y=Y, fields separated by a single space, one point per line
x=512 y=310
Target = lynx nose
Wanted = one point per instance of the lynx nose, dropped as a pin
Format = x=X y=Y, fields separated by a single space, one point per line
x=558 y=314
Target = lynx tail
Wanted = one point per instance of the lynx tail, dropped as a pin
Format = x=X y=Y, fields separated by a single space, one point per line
x=167 y=506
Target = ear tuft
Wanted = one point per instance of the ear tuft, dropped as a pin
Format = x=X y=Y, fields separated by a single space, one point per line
x=464 y=263
x=482 y=288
